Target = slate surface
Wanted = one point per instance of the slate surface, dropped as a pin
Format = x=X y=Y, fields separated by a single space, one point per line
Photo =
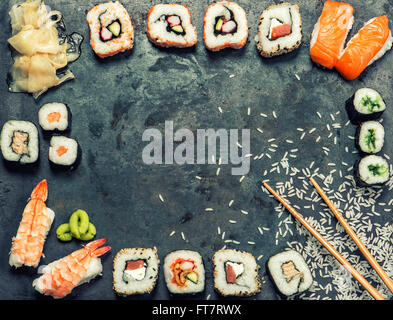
x=114 y=100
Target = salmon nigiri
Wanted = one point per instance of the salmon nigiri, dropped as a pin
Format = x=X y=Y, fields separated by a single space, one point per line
x=367 y=46
x=330 y=32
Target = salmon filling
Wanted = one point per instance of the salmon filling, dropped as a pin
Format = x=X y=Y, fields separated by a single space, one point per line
x=53 y=117
x=280 y=31
x=233 y=270
x=135 y=270
x=61 y=151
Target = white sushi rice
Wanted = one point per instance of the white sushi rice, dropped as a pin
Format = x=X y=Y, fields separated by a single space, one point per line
x=28 y=151
x=157 y=26
x=216 y=42
x=285 y=13
x=247 y=283
x=190 y=287
x=71 y=154
x=134 y=286
x=46 y=110
x=298 y=283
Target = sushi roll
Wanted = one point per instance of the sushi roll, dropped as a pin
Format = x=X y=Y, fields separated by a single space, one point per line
x=54 y=116
x=135 y=271
x=329 y=34
x=290 y=273
x=63 y=152
x=19 y=142
x=235 y=273
x=111 y=30
x=371 y=42
x=365 y=104
x=372 y=170
x=169 y=25
x=225 y=26
x=184 y=272
x=279 y=30
x=370 y=137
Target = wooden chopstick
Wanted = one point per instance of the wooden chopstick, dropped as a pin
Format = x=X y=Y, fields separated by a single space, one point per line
x=385 y=278
x=328 y=246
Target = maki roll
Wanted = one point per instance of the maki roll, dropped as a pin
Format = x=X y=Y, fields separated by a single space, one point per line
x=135 y=271
x=63 y=152
x=225 y=26
x=279 y=30
x=111 y=30
x=370 y=137
x=19 y=142
x=169 y=25
x=184 y=272
x=290 y=273
x=372 y=170
x=365 y=104
x=235 y=273
x=54 y=116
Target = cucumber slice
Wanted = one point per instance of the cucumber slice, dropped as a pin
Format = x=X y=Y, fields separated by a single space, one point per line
x=193 y=277
x=114 y=28
x=177 y=29
x=219 y=24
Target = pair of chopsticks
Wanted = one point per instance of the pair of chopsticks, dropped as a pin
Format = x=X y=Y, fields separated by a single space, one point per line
x=332 y=250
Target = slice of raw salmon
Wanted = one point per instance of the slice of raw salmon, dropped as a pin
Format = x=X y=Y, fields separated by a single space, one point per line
x=330 y=32
x=363 y=47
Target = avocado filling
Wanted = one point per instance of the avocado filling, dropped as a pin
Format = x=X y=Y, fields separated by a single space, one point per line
x=377 y=170
x=371 y=105
x=370 y=139
x=174 y=24
x=113 y=30
x=225 y=23
x=183 y=270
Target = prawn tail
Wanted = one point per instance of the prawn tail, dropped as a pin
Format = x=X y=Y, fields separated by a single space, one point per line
x=94 y=249
x=40 y=191
x=100 y=251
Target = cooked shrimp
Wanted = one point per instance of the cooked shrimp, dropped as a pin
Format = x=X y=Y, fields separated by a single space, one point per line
x=63 y=275
x=36 y=221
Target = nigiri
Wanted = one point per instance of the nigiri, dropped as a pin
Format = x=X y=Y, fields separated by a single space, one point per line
x=368 y=45
x=36 y=221
x=61 y=276
x=330 y=32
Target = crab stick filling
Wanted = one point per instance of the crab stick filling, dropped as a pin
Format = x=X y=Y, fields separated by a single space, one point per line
x=182 y=271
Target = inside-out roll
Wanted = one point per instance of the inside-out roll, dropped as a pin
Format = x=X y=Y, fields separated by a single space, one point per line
x=225 y=26
x=279 y=30
x=169 y=25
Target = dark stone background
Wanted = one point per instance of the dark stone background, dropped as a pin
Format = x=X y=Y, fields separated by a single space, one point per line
x=114 y=100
